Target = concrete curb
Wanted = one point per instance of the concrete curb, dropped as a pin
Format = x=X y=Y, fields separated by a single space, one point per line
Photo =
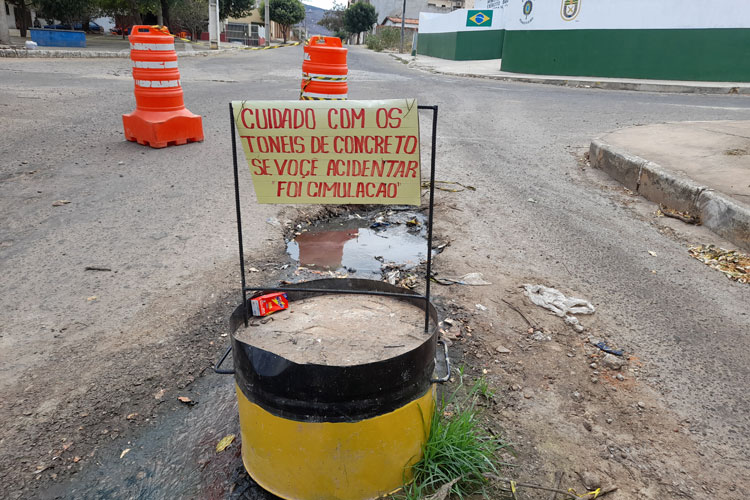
x=723 y=215
x=615 y=85
x=592 y=83
x=87 y=54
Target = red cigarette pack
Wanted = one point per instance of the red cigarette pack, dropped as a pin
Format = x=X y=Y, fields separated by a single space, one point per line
x=269 y=303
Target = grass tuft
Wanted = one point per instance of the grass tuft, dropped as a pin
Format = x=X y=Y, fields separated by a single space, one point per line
x=459 y=449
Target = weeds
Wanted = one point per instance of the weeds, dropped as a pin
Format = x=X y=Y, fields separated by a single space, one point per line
x=387 y=38
x=459 y=452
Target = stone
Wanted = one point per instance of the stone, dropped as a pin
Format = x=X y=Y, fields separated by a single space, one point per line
x=590 y=480
x=620 y=377
x=539 y=336
x=613 y=362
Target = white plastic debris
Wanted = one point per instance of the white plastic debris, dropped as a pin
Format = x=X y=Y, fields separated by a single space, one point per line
x=559 y=304
x=30 y=45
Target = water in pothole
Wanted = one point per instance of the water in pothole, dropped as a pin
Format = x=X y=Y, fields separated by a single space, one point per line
x=362 y=246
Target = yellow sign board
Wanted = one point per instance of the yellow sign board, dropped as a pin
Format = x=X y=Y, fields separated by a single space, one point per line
x=323 y=152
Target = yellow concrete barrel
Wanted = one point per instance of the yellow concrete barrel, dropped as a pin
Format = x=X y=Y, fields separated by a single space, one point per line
x=319 y=432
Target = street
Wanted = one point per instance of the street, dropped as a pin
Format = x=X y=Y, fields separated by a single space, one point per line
x=82 y=350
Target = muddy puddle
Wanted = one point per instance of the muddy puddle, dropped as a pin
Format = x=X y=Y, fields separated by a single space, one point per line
x=366 y=246
x=174 y=456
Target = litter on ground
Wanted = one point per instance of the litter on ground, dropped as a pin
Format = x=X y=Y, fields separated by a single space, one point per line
x=562 y=306
x=735 y=265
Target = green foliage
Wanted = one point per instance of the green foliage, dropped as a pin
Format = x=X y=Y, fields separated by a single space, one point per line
x=459 y=451
x=333 y=20
x=235 y=8
x=190 y=15
x=374 y=42
x=360 y=17
x=65 y=11
x=285 y=12
x=482 y=388
x=133 y=8
x=388 y=38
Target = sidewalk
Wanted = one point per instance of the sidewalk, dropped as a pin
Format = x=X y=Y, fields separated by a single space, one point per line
x=96 y=46
x=702 y=168
x=107 y=46
x=491 y=69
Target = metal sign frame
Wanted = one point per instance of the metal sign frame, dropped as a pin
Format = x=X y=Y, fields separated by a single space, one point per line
x=246 y=288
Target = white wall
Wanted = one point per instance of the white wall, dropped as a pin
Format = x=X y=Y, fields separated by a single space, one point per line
x=393 y=8
x=630 y=14
x=456 y=21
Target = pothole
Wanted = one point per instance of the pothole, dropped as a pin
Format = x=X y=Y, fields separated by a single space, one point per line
x=390 y=245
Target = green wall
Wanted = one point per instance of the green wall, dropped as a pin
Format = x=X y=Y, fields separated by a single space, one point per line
x=462 y=45
x=670 y=54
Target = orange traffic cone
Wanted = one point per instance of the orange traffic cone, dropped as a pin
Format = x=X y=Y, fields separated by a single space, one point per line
x=160 y=118
x=324 y=69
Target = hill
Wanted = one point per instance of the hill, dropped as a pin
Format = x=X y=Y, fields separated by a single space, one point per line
x=313 y=15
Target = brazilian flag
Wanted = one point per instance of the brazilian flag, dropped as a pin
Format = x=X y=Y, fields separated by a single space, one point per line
x=479 y=18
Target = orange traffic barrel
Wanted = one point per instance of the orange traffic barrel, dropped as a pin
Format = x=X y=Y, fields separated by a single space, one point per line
x=324 y=69
x=160 y=118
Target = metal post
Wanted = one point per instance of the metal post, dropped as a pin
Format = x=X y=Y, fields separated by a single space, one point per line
x=268 y=24
x=432 y=208
x=239 y=213
x=214 y=36
x=403 y=21
x=426 y=297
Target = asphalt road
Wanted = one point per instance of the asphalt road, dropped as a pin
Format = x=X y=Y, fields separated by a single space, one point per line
x=163 y=221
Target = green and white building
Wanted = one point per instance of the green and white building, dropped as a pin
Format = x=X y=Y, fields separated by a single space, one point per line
x=653 y=39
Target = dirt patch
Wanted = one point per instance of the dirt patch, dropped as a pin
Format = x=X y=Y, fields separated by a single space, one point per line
x=736 y=152
x=339 y=330
x=87 y=397
x=569 y=410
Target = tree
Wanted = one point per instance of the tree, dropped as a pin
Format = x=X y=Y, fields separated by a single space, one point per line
x=333 y=20
x=133 y=8
x=235 y=8
x=23 y=22
x=4 y=33
x=66 y=11
x=191 y=15
x=166 y=7
x=360 y=17
x=286 y=13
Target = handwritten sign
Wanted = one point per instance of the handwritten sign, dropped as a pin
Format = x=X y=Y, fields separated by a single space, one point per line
x=323 y=152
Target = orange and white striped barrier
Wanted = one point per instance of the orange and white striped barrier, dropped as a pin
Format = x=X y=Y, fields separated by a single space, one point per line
x=160 y=118
x=324 y=69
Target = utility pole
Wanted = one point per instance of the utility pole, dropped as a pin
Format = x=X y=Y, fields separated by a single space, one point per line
x=4 y=33
x=268 y=23
x=403 y=21
x=214 y=36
